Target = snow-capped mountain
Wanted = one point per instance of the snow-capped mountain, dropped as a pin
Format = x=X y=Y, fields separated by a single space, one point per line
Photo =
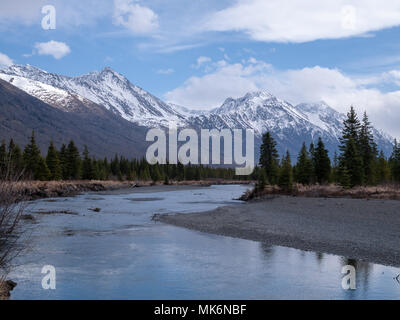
x=106 y=88
x=290 y=125
x=261 y=111
x=58 y=98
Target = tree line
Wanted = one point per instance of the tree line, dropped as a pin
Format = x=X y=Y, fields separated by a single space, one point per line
x=68 y=163
x=357 y=162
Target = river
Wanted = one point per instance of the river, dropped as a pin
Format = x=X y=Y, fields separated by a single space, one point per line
x=120 y=253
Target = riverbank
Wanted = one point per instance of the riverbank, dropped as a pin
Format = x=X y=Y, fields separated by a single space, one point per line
x=5 y=289
x=385 y=192
x=32 y=190
x=362 y=229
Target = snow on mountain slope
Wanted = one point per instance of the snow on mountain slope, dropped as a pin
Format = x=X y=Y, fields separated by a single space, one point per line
x=323 y=116
x=58 y=98
x=261 y=111
x=291 y=126
x=109 y=89
x=331 y=121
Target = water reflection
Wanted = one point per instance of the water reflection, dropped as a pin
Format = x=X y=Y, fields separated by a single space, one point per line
x=119 y=253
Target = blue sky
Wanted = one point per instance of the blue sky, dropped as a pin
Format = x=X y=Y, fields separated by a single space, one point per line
x=197 y=53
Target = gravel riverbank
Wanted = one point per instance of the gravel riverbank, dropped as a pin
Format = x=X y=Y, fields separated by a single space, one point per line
x=362 y=229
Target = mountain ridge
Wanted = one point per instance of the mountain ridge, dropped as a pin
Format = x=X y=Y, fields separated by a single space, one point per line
x=259 y=110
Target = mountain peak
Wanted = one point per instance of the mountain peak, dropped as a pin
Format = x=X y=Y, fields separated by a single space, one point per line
x=265 y=95
x=22 y=70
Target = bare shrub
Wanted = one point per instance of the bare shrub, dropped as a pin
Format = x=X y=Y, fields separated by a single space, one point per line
x=12 y=206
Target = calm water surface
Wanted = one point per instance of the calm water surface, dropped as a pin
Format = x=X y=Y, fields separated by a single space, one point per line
x=119 y=253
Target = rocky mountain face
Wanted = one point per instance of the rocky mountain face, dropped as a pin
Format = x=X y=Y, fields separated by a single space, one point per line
x=106 y=88
x=105 y=133
x=108 y=94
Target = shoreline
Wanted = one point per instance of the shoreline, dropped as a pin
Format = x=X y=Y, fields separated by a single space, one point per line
x=34 y=190
x=360 y=229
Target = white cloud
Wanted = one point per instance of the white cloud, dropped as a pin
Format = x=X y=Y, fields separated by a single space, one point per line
x=166 y=71
x=210 y=90
x=53 y=48
x=301 y=85
x=133 y=16
x=5 y=61
x=201 y=61
x=305 y=20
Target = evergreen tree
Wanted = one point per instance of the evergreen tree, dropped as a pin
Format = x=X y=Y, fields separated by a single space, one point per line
x=335 y=168
x=73 y=162
x=87 y=166
x=42 y=171
x=269 y=158
x=180 y=171
x=63 y=157
x=53 y=163
x=262 y=181
x=3 y=160
x=166 y=180
x=156 y=175
x=322 y=163
x=311 y=152
x=382 y=169
x=351 y=164
x=351 y=161
x=304 y=167
x=32 y=158
x=351 y=129
x=285 y=180
x=395 y=163
x=16 y=160
x=368 y=151
x=344 y=177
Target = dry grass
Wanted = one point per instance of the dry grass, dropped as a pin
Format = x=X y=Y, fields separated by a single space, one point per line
x=386 y=192
x=49 y=189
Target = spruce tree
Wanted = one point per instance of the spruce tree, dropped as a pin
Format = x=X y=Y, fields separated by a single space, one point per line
x=335 y=168
x=285 y=180
x=351 y=129
x=262 y=181
x=42 y=171
x=304 y=168
x=351 y=164
x=311 y=151
x=351 y=161
x=87 y=165
x=269 y=158
x=395 y=163
x=32 y=158
x=53 y=163
x=16 y=160
x=368 y=151
x=73 y=162
x=3 y=160
x=322 y=163
x=156 y=175
x=63 y=157
x=382 y=169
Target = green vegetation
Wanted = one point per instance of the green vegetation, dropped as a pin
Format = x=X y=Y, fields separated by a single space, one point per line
x=359 y=163
x=69 y=164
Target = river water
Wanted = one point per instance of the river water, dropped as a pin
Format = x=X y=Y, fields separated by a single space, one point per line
x=120 y=253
